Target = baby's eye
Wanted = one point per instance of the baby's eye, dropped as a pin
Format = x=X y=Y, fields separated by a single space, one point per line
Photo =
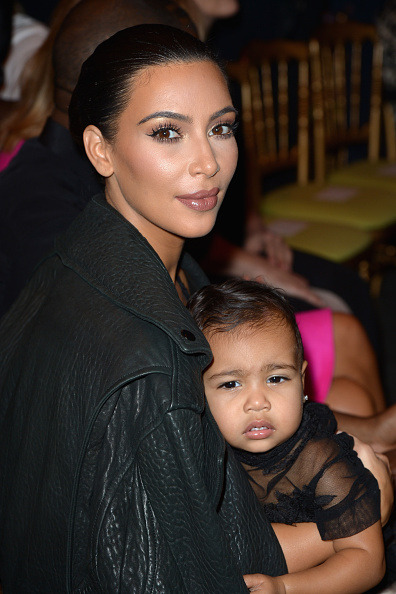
x=230 y=385
x=166 y=134
x=223 y=130
x=276 y=379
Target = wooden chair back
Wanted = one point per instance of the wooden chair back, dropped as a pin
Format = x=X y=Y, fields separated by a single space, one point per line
x=351 y=64
x=275 y=80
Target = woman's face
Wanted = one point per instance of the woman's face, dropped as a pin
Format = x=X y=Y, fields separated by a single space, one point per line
x=175 y=152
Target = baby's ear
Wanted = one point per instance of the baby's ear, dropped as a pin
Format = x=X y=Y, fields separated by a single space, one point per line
x=303 y=370
x=98 y=151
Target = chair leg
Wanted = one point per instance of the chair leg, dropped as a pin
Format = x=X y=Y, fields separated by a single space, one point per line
x=390 y=132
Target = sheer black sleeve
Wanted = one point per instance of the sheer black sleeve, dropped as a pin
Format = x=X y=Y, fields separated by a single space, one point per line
x=315 y=476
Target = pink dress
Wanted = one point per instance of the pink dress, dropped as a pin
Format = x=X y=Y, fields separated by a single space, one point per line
x=5 y=158
x=316 y=328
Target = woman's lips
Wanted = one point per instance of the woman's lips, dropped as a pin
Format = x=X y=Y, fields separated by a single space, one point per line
x=203 y=200
x=259 y=430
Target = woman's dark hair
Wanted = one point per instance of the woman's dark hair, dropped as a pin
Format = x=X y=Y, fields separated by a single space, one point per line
x=225 y=306
x=103 y=88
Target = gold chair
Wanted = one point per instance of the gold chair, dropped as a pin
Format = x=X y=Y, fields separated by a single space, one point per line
x=343 y=49
x=267 y=73
x=330 y=201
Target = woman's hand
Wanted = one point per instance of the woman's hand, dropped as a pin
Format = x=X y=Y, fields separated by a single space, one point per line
x=257 y=582
x=260 y=239
x=379 y=465
x=230 y=260
x=293 y=284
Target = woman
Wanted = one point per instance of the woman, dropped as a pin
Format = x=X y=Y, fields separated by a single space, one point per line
x=113 y=474
x=113 y=477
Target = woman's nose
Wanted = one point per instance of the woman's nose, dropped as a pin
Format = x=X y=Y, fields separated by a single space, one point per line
x=204 y=160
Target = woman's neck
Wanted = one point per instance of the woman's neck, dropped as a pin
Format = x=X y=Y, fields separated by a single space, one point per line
x=168 y=246
x=170 y=256
x=182 y=287
x=60 y=111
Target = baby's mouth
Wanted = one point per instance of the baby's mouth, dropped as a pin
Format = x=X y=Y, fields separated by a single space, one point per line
x=259 y=429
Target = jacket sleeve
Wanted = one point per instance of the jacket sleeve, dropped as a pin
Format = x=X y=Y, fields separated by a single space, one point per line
x=179 y=476
x=155 y=527
x=159 y=519
x=244 y=520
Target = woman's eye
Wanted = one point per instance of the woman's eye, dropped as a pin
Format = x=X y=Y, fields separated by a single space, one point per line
x=223 y=130
x=167 y=134
x=230 y=385
x=276 y=379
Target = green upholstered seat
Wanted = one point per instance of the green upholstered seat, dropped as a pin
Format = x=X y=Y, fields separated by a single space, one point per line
x=379 y=176
x=338 y=243
x=364 y=208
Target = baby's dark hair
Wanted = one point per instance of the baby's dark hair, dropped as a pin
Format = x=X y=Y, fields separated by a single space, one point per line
x=225 y=306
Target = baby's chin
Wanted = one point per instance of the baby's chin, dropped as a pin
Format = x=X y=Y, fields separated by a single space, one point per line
x=255 y=448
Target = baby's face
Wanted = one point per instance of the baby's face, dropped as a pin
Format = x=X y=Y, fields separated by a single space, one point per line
x=254 y=386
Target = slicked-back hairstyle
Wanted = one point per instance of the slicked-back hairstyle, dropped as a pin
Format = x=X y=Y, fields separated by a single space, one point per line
x=106 y=80
x=225 y=306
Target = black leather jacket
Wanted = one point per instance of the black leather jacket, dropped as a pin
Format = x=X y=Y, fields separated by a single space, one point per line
x=113 y=474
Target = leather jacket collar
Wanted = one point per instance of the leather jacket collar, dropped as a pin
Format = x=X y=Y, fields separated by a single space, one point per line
x=108 y=251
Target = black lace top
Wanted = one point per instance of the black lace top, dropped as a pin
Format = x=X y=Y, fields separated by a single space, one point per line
x=315 y=476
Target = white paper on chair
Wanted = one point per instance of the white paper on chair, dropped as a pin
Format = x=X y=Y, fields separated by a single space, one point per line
x=286 y=227
x=335 y=194
x=387 y=170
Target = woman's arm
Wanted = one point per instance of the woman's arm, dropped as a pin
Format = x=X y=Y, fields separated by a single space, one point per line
x=358 y=564
x=378 y=430
x=231 y=260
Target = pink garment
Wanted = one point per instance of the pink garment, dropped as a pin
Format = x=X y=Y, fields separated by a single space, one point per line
x=316 y=328
x=5 y=158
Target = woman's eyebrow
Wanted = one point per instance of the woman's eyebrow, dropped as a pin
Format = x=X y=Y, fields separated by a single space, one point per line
x=166 y=114
x=221 y=112
x=184 y=118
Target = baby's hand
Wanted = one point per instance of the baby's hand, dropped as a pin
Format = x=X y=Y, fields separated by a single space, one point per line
x=257 y=582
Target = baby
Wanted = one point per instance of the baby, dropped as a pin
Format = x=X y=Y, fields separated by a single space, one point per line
x=299 y=467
